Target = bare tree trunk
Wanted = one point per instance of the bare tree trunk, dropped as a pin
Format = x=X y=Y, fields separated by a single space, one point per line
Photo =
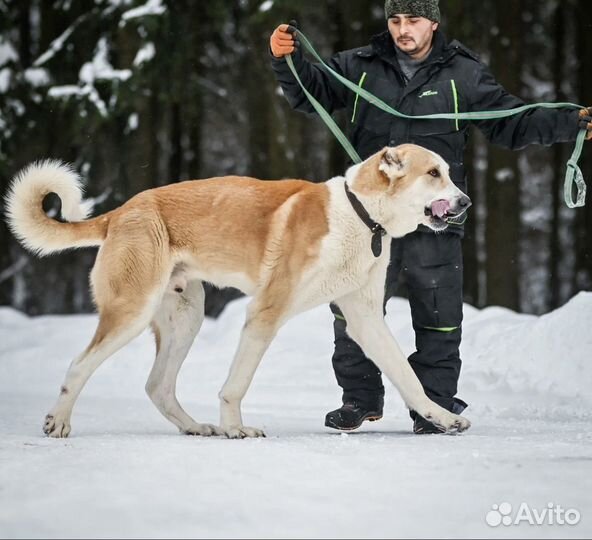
x=558 y=161
x=503 y=193
x=583 y=225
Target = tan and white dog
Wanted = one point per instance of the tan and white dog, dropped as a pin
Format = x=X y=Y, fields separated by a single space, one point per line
x=291 y=244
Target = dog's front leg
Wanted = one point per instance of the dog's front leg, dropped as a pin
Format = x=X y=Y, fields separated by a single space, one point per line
x=365 y=325
x=256 y=336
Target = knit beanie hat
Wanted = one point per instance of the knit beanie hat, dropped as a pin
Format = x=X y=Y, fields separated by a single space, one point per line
x=420 y=8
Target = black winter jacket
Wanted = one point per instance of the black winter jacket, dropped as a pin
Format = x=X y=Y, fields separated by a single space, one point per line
x=452 y=79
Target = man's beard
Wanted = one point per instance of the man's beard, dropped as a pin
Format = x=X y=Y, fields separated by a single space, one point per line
x=408 y=43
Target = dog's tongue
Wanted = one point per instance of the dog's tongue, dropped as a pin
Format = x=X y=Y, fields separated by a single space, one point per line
x=439 y=208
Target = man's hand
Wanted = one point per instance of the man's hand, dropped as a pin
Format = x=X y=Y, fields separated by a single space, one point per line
x=282 y=40
x=586 y=121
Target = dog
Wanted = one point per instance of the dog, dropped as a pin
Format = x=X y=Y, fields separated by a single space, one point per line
x=290 y=244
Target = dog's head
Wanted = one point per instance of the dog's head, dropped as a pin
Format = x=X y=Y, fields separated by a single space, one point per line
x=412 y=187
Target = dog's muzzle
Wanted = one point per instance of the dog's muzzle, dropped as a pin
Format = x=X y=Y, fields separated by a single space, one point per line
x=441 y=211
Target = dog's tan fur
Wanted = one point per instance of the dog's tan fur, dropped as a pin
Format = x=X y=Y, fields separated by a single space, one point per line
x=290 y=244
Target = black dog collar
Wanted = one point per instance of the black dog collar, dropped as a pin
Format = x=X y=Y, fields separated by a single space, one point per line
x=377 y=230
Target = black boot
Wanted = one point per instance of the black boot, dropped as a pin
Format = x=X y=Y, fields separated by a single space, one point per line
x=359 y=378
x=351 y=415
x=421 y=426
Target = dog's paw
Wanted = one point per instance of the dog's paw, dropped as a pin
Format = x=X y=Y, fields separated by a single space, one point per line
x=460 y=424
x=56 y=426
x=204 y=430
x=242 y=432
x=449 y=422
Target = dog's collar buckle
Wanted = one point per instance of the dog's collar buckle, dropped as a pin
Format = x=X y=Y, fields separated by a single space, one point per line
x=378 y=228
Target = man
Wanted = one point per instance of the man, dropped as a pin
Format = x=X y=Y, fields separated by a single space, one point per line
x=412 y=68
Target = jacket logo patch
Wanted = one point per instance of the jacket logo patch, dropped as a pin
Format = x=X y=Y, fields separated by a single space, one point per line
x=429 y=93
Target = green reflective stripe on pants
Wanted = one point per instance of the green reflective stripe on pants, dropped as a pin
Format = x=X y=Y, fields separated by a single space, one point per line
x=339 y=317
x=362 y=79
x=445 y=329
x=455 y=95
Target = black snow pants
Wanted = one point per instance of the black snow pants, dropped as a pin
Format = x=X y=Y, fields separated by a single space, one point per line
x=433 y=270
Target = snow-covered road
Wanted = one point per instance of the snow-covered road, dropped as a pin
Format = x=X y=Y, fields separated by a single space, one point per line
x=126 y=472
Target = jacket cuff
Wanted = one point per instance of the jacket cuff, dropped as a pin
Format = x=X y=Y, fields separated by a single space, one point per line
x=575 y=115
x=297 y=58
x=274 y=59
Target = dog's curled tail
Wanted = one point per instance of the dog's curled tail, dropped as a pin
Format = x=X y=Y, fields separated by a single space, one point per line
x=33 y=227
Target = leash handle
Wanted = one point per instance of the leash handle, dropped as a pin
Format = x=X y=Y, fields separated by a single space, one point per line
x=573 y=173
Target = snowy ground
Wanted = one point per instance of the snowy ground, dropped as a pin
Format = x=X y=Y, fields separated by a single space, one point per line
x=126 y=472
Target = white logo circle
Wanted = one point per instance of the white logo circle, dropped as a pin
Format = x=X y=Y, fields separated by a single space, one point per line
x=499 y=514
x=493 y=518
x=505 y=509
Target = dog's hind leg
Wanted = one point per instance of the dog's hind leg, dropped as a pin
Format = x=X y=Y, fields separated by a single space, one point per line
x=118 y=324
x=259 y=330
x=128 y=285
x=176 y=323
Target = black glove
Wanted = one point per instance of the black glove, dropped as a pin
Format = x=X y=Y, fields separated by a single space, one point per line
x=585 y=116
x=292 y=27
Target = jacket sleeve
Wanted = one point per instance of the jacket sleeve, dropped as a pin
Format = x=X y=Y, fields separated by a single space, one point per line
x=326 y=89
x=535 y=126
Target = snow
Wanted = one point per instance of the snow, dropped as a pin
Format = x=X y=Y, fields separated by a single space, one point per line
x=100 y=68
x=5 y=77
x=37 y=76
x=266 y=6
x=7 y=52
x=54 y=47
x=68 y=90
x=125 y=471
x=120 y=3
x=133 y=121
x=503 y=175
x=144 y=54
x=64 y=91
x=152 y=7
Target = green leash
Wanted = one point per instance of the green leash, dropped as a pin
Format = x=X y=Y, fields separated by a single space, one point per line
x=573 y=174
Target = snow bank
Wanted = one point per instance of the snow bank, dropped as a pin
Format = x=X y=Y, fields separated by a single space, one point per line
x=549 y=355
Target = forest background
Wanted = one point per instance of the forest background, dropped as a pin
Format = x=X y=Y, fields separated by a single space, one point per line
x=138 y=94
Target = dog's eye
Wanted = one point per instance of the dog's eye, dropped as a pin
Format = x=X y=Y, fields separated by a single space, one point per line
x=435 y=173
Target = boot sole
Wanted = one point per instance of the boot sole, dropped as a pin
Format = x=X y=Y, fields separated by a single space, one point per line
x=372 y=418
x=429 y=431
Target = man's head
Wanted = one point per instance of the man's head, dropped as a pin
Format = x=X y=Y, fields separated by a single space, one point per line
x=412 y=24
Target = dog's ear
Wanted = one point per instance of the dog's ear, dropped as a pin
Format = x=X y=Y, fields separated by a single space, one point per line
x=392 y=163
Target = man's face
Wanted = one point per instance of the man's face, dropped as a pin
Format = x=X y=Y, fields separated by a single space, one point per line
x=413 y=35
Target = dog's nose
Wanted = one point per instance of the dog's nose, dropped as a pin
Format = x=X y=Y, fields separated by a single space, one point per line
x=464 y=202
